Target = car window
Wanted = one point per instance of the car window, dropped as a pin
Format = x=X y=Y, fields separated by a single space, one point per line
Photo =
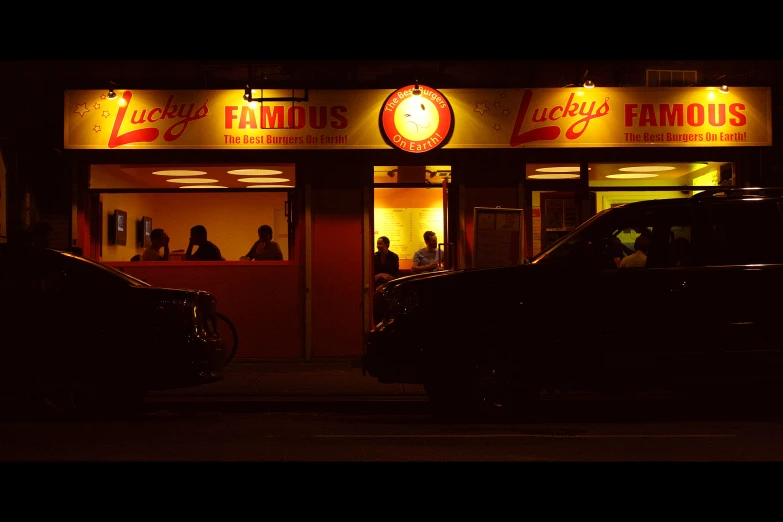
x=612 y=235
x=740 y=232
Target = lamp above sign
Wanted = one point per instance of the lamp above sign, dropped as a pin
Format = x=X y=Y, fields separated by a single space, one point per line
x=416 y=118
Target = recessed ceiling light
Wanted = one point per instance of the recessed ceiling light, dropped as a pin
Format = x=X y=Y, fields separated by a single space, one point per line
x=203 y=186
x=255 y=172
x=270 y=186
x=559 y=169
x=179 y=173
x=263 y=180
x=553 y=176
x=632 y=175
x=191 y=180
x=646 y=168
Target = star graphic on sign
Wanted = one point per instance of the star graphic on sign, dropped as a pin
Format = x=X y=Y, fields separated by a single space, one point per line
x=96 y=106
x=81 y=108
x=497 y=105
x=503 y=95
x=105 y=114
x=103 y=96
x=497 y=127
x=505 y=112
x=97 y=128
x=481 y=108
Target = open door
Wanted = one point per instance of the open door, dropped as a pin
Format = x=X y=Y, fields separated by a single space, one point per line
x=402 y=204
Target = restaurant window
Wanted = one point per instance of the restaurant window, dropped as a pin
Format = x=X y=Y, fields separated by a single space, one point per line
x=230 y=200
x=408 y=201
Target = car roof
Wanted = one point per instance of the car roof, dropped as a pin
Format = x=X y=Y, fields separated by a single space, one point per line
x=717 y=194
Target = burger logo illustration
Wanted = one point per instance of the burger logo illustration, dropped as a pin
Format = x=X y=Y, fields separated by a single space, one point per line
x=416 y=118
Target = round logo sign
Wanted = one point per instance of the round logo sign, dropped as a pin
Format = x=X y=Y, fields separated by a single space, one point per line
x=416 y=119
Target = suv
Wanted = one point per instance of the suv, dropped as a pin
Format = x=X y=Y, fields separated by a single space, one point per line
x=701 y=308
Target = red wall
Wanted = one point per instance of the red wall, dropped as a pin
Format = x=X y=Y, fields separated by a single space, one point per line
x=264 y=299
x=336 y=292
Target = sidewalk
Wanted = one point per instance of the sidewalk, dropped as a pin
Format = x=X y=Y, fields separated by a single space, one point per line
x=253 y=378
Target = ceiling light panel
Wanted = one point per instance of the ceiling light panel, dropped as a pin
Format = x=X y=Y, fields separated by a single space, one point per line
x=553 y=175
x=263 y=180
x=255 y=172
x=179 y=173
x=202 y=186
x=632 y=175
x=192 y=180
x=646 y=168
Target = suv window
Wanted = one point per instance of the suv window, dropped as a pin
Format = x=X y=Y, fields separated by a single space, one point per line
x=611 y=235
x=741 y=232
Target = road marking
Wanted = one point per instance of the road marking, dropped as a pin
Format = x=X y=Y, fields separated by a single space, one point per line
x=530 y=435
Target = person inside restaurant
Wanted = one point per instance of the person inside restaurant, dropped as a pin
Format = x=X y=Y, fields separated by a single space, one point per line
x=264 y=249
x=207 y=250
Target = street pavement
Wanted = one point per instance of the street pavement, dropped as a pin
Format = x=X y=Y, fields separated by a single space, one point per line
x=248 y=379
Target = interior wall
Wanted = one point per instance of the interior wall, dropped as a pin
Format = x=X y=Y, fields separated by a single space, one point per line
x=404 y=198
x=231 y=219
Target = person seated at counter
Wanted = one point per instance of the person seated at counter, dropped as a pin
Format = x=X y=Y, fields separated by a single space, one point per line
x=159 y=240
x=264 y=249
x=207 y=250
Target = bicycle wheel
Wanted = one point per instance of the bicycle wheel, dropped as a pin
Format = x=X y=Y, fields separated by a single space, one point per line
x=228 y=333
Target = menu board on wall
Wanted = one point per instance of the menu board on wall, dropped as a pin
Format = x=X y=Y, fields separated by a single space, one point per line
x=405 y=228
x=497 y=236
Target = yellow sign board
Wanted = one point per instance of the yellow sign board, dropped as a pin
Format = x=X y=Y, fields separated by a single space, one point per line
x=483 y=118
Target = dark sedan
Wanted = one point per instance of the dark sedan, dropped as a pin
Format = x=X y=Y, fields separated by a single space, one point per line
x=81 y=336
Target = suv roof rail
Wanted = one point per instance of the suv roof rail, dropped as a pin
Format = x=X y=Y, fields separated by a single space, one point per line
x=756 y=192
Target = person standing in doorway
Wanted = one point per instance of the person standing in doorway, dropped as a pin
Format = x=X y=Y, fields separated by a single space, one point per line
x=386 y=264
x=429 y=258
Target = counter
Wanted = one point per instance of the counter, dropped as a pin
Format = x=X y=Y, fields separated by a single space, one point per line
x=264 y=299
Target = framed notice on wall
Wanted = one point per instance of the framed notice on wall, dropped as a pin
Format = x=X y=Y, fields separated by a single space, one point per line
x=498 y=236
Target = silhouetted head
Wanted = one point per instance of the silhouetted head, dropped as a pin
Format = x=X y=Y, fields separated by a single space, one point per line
x=642 y=243
x=157 y=236
x=198 y=234
x=265 y=233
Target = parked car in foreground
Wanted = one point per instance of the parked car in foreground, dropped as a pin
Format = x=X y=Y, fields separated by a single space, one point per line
x=704 y=309
x=80 y=335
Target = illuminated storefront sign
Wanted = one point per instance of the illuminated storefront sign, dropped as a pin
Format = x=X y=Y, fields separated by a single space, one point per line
x=462 y=118
x=416 y=118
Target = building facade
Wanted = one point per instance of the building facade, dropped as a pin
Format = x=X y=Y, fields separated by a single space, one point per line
x=498 y=172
